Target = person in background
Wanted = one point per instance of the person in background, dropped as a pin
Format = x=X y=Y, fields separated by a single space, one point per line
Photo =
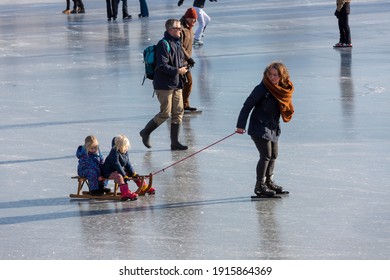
x=187 y=37
x=168 y=85
x=144 y=11
x=203 y=19
x=67 y=9
x=112 y=9
x=269 y=101
x=90 y=164
x=125 y=12
x=78 y=7
x=342 y=13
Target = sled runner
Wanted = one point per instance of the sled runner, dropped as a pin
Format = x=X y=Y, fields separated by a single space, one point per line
x=115 y=195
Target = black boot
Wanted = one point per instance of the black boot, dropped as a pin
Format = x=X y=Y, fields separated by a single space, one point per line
x=175 y=144
x=261 y=189
x=145 y=133
x=272 y=186
x=97 y=192
x=103 y=188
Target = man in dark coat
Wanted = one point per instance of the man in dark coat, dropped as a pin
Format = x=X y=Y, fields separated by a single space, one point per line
x=168 y=85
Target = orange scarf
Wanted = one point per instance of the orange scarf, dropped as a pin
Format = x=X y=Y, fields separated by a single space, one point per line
x=284 y=97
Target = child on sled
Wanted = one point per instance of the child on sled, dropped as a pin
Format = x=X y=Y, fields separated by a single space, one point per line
x=118 y=167
x=89 y=166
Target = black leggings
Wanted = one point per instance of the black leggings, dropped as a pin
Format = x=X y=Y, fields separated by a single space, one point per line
x=268 y=153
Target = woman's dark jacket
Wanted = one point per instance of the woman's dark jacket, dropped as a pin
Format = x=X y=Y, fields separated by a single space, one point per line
x=166 y=76
x=264 y=119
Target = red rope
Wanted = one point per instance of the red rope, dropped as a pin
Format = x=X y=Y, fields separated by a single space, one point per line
x=183 y=159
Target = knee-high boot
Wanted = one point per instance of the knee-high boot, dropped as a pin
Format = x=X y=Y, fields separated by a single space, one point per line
x=145 y=133
x=175 y=144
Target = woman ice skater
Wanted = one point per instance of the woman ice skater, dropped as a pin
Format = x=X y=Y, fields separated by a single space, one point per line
x=268 y=101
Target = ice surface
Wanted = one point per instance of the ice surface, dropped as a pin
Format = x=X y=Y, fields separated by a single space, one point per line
x=63 y=77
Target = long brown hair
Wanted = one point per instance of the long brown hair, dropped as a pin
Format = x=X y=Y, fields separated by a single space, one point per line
x=282 y=71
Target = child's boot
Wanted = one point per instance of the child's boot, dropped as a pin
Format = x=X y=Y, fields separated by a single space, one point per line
x=144 y=187
x=97 y=192
x=151 y=191
x=103 y=188
x=126 y=194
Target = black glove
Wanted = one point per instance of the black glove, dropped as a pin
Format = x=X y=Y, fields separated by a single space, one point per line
x=337 y=13
x=180 y=2
x=190 y=62
x=213 y=1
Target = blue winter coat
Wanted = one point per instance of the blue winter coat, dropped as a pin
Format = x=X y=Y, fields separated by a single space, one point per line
x=88 y=161
x=264 y=120
x=166 y=76
x=119 y=162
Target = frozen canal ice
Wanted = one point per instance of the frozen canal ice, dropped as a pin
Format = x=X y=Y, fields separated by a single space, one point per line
x=64 y=77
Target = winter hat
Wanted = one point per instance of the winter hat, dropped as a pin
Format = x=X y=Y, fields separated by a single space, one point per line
x=191 y=13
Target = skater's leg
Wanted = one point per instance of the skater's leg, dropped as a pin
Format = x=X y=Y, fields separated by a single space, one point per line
x=125 y=11
x=109 y=9
x=341 y=30
x=346 y=30
x=144 y=11
x=265 y=150
x=274 y=154
x=206 y=20
x=269 y=174
x=115 y=4
x=201 y=24
x=187 y=88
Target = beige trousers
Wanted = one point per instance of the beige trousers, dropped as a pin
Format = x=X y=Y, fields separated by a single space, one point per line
x=171 y=105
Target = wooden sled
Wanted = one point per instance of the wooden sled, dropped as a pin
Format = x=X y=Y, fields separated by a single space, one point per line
x=115 y=195
x=143 y=189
